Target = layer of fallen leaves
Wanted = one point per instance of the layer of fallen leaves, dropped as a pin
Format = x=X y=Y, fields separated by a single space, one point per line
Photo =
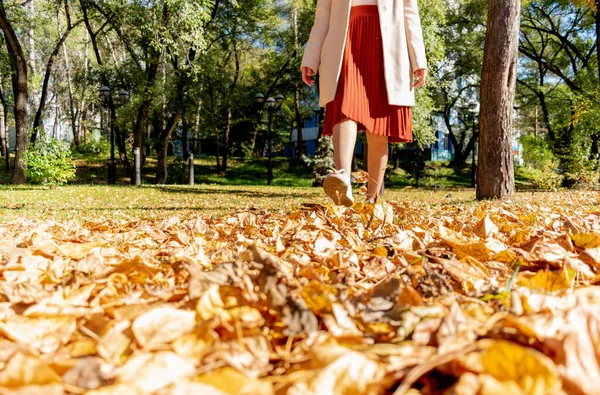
x=400 y=297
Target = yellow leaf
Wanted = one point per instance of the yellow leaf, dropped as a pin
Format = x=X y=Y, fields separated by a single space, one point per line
x=318 y=296
x=380 y=251
x=162 y=325
x=477 y=250
x=586 y=240
x=45 y=334
x=77 y=250
x=194 y=345
x=546 y=280
x=47 y=389
x=211 y=305
x=350 y=373
x=360 y=177
x=506 y=256
x=153 y=371
x=231 y=381
x=485 y=228
x=191 y=387
x=517 y=367
x=117 y=389
x=27 y=370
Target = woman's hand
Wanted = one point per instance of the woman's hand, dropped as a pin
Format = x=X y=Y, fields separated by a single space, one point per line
x=306 y=73
x=420 y=77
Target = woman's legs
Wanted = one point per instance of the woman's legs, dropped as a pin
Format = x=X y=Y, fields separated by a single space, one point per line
x=344 y=140
x=377 y=163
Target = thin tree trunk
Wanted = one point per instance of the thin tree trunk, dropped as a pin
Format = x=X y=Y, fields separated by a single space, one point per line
x=113 y=113
x=5 y=126
x=82 y=130
x=37 y=123
x=144 y=108
x=165 y=136
x=234 y=83
x=19 y=83
x=598 y=36
x=185 y=137
x=197 y=127
x=3 y=132
x=495 y=173
x=70 y=85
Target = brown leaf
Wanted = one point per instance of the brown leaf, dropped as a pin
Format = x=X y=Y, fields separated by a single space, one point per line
x=485 y=228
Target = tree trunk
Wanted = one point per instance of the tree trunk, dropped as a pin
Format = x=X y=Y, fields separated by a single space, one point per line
x=495 y=173
x=165 y=136
x=37 y=123
x=119 y=137
x=5 y=127
x=19 y=83
x=236 y=75
x=82 y=113
x=598 y=36
x=185 y=137
x=3 y=132
x=144 y=108
x=72 y=111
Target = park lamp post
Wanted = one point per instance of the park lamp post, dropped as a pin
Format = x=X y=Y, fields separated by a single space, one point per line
x=272 y=104
x=104 y=95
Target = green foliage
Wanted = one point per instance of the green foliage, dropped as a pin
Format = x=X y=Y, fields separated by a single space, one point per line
x=100 y=147
x=178 y=171
x=323 y=161
x=49 y=162
x=549 y=178
x=536 y=151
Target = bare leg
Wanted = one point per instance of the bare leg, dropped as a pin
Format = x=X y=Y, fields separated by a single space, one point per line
x=344 y=140
x=377 y=163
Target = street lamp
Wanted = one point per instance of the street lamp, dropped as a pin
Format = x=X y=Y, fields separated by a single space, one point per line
x=272 y=104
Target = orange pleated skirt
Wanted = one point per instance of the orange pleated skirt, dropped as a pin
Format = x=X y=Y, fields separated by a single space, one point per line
x=361 y=93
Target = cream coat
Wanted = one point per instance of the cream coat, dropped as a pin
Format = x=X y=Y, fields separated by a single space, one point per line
x=402 y=38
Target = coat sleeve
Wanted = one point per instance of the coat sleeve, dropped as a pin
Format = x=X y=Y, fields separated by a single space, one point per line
x=414 y=35
x=312 y=52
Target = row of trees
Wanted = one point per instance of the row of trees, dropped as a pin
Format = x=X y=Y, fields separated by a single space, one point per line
x=196 y=65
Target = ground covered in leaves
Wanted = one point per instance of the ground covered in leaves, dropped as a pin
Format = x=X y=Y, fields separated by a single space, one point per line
x=408 y=296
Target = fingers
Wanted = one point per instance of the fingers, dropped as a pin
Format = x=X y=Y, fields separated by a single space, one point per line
x=306 y=73
x=420 y=77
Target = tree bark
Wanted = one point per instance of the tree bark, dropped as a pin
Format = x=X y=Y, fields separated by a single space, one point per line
x=19 y=83
x=165 y=136
x=5 y=126
x=3 y=132
x=120 y=139
x=37 y=122
x=598 y=35
x=144 y=108
x=495 y=173
x=82 y=112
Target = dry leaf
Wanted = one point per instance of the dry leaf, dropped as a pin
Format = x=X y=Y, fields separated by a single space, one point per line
x=162 y=325
x=515 y=369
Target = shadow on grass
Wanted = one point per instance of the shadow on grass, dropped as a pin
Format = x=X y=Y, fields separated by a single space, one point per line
x=199 y=191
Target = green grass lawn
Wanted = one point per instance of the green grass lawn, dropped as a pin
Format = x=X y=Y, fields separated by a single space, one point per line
x=92 y=170
x=121 y=202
